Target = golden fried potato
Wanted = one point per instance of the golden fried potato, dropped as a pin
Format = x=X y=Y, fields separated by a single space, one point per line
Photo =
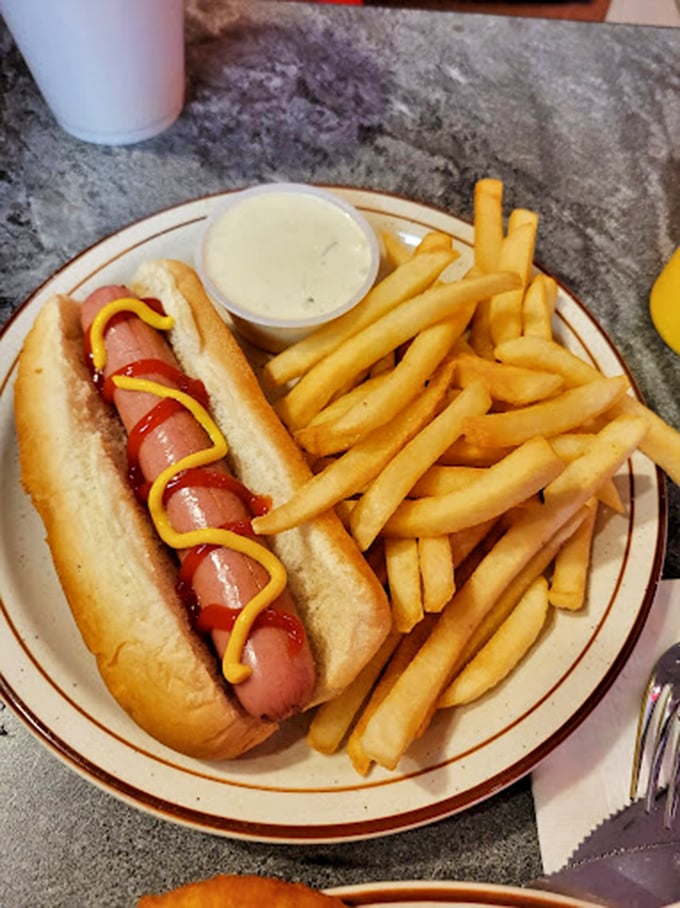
x=505 y=650
x=246 y=891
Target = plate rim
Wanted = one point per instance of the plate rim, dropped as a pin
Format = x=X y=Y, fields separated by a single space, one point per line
x=443 y=891
x=439 y=808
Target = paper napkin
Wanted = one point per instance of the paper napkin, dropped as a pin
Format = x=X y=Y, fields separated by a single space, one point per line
x=587 y=778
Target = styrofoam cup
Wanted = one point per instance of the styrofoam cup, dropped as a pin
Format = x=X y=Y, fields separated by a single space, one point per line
x=111 y=71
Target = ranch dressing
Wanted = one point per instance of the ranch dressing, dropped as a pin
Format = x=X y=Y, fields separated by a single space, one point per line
x=285 y=256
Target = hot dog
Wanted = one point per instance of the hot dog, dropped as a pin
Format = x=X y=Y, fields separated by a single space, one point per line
x=277 y=654
x=118 y=575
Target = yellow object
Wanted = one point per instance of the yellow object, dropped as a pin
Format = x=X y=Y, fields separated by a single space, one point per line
x=106 y=313
x=233 y=669
x=664 y=302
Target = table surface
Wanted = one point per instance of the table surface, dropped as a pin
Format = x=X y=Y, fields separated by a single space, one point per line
x=580 y=120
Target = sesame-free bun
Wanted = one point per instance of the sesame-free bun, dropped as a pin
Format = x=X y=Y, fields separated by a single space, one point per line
x=117 y=576
x=342 y=605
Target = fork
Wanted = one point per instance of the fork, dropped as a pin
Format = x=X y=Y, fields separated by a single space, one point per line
x=659 y=722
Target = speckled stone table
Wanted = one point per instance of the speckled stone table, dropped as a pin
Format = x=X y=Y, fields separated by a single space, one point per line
x=581 y=121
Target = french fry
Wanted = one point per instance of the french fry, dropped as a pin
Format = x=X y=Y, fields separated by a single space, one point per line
x=488 y=239
x=464 y=542
x=661 y=443
x=436 y=572
x=523 y=217
x=408 y=280
x=506 y=648
x=538 y=307
x=395 y=722
x=572 y=445
x=434 y=241
x=511 y=481
x=333 y=719
x=396 y=252
x=570 y=571
x=384 y=400
x=513 y=592
x=338 y=407
x=463 y=453
x=439 y=480
x=517 y=253
x=548 y=356
x=510 y=384
x=351 y=472
x=403 y=578
x=609 y=448
x=608 y=494
x=407 y=647
x=488 y=224
x=550 y=417
x=393 y=483
x=480 y=331
x=453 y=302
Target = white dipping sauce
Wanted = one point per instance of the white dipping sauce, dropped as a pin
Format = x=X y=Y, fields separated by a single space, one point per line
x=287 y=256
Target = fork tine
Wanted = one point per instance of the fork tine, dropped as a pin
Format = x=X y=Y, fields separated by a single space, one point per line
x=661 y=712
x=674 y=772
x=650 y=701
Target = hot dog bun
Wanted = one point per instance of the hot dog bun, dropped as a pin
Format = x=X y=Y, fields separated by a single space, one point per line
x=118 y=579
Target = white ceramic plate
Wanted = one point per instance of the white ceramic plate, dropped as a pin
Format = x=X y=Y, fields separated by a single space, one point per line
x=433 y=894
x=285 y=792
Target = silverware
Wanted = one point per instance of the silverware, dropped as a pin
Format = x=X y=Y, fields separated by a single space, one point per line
x=659 y=722
x=629 y=859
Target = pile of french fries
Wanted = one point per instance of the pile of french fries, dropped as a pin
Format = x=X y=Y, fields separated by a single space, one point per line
x=468 y=452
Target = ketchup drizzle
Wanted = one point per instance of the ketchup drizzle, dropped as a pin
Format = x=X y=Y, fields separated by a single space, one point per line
x=210 y=617
x=184 y=586
x=221 y=617
x=159 y=413
x=204 y=477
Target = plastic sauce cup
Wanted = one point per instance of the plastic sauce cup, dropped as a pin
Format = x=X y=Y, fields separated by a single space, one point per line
x=284 y=258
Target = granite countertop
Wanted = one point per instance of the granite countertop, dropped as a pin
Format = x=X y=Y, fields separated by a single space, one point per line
x=580 y=120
